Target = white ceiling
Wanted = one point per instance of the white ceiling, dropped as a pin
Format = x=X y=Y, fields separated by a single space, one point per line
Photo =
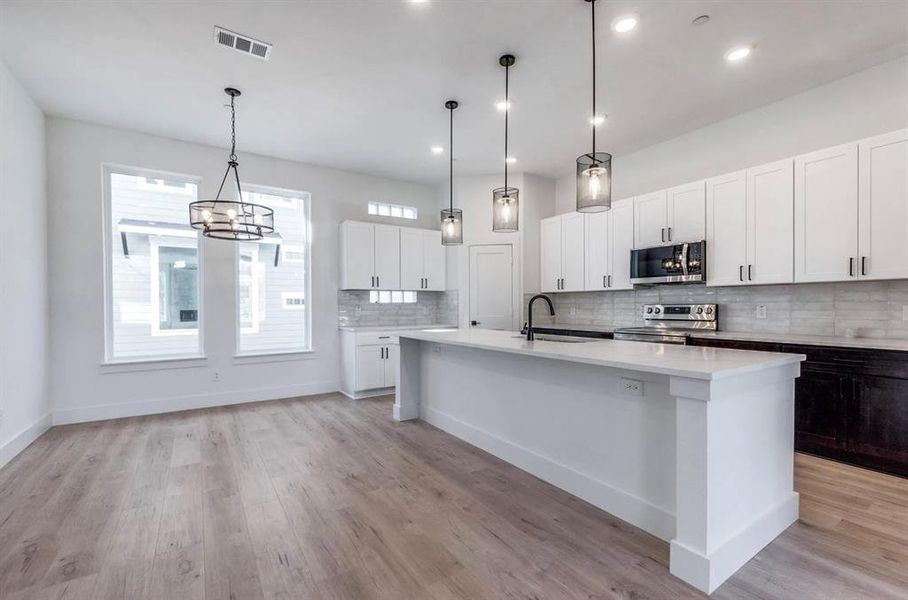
x=361 y=85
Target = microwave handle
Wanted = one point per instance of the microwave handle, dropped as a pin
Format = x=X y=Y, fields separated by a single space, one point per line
x=684 y=258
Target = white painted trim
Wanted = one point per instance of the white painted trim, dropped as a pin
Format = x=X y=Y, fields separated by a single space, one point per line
x=708 y=572
x=369 y=393
x=636 y=511
x=21 y=440
x=102 y=412
x=153 y=364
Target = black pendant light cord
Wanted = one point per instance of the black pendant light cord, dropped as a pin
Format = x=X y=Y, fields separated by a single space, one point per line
x=507 y=109
x=451 y=157
x=232 y=162
x=593 y=8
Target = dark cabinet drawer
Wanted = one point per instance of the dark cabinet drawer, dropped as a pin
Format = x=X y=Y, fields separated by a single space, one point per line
x=821 y=411
x=878 y=427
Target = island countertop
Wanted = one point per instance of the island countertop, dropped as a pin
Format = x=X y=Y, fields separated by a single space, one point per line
x=666 y=359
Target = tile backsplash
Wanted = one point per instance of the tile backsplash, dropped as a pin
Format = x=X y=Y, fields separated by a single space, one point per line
x=355 y=310
x=850 y=309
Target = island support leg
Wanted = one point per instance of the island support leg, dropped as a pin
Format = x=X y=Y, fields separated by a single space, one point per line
x=735 y=471
x=406 y=399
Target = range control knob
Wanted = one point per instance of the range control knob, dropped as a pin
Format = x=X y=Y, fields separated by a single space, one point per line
x=658 y=310
x=709 y=311
x=699 y=310
x=649 y=310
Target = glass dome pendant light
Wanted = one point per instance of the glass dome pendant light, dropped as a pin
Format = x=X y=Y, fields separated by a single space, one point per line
x=451 y=218
x=505 y=200
x=594 y=170
x=235 y=220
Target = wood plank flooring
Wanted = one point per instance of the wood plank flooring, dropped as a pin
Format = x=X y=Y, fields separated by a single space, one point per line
x=327 y=498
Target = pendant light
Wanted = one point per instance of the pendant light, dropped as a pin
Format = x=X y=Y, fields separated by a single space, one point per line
x=505 y=200
x=594 y=170
x=451 y=218
x=231 y=219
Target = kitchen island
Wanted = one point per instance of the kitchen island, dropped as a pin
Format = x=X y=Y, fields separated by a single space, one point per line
x=693 y=445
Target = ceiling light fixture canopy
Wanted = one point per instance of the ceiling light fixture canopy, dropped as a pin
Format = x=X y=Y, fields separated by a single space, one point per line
x=235 y=220
x=594 y=169
x=505 y=200
x=451 y=218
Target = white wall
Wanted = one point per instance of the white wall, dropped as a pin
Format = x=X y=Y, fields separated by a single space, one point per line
x=81 y=389
x=23 y=264
x=861 y=105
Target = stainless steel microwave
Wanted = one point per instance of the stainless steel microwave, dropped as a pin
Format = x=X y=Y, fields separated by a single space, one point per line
x=680 y=263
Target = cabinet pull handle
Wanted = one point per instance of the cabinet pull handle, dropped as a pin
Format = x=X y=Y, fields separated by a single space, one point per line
x=851 y=266
x=863 y=265
x=604 y=284
x=373 y=281
x=750 y=272
x=610 y=281
x=384 y=337
x=741 y=272
x=663 y=235
x=669 y=234
x=377 y=281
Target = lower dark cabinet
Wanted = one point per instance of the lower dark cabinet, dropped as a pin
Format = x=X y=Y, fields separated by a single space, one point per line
x=850 y=404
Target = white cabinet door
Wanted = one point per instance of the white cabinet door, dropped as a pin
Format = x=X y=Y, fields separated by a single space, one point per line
x=686 y=213
x=392 y=359
x=370 y=367
x=387 y=257
x=412 y=259
x=726 y=227
x=358 y=255
x=770 y=223
x=597 y=250
x=572 y=272
x=650 y=220
x=434 y=261
x=550 y=254
x=621 y=242
x=826 y=213
x=883 y=206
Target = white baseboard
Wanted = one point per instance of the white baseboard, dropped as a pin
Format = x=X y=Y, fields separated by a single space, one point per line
x=102 y=412
x=368 y=393
x=636 y=511
x=21 y=440
x=706 y=573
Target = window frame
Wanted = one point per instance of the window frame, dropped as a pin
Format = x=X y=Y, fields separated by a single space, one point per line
x=107 y=170
x=307 y=267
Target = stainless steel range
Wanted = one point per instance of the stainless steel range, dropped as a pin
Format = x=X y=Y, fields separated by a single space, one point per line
x=671 y=323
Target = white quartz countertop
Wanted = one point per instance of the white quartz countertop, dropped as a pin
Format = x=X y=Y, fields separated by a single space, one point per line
x=395 y=327
x=667 y=359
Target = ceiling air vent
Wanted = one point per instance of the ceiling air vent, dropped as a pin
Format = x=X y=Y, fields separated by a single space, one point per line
x=242 y=43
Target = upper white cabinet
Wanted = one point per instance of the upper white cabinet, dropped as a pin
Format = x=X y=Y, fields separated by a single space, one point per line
x=422 y=260
x=670 y=216
x=883 y=206
x=749 y=226
x=826 y=212
x=562 y=253
x=386 y=257
x=609 y=240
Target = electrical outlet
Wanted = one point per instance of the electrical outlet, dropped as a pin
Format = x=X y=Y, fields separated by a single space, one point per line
x=437 y=348
x=216 y=376
x=632 y=387
x=761 y=311
x=572 y=311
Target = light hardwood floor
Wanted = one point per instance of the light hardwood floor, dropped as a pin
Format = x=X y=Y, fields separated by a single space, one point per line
x=326 y=497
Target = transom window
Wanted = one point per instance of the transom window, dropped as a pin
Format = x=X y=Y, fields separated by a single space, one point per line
x=384 y=209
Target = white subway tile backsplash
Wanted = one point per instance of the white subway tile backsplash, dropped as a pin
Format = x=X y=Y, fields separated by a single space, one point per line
x=430 y=308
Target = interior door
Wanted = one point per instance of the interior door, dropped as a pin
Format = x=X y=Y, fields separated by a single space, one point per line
x=491 y=291
x=572 y=272
x=370 y=367
x=826 y=214
x=550 y=254
x=358 y=266
x=434 y=261
x=726 y=226
x=621 y=242
x=883 y=206
x=412 y=259
x=597 y=247
x=387 y=257
x=687 y=213
x=770 y=223
x=392 y=359
x=650 y=220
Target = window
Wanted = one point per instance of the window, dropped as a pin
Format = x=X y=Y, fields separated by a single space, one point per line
x=391 y=297
x=273 y=278
x=383 y=209
x=152 y=285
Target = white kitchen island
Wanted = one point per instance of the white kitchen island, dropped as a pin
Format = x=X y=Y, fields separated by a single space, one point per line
x=694 y=445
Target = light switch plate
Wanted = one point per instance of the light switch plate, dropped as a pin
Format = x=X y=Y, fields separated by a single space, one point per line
x=761 y=311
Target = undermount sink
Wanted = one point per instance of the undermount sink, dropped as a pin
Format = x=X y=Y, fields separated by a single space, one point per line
x=557 y=338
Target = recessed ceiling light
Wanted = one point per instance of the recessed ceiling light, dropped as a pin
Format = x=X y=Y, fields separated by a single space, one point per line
x=597 y=119
x=502 y=105
x=511 y=160
x=418 y=1
x=738 y=53
x=437 y=149
x=625 y=23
